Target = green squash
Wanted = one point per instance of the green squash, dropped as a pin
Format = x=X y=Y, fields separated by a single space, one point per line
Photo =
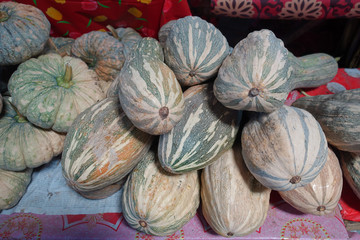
x=350 y=164
x=149 y=47
x=164 y=32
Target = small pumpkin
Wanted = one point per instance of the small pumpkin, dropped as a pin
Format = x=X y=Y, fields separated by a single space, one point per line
x=13 y=187
x=23 y=145
x=24 y=30
x=284 y=149
x=127 y=36
x=59 y=45
x=52 y=90
x=320 y=196
x=350 y=164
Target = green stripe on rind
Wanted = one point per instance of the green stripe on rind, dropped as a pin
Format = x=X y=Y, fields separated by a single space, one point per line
x=206 y=130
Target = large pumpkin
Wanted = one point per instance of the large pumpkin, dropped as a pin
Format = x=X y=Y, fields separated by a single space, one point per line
x=24 y=30
x=52 y=90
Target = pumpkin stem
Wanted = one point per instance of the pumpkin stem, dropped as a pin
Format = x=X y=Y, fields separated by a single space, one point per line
x=3 y=16
x=65 y=81
x=321 y=208
x=164 y=112
x=19 y=117
x=143 y=223
x=113 y=32
x=254 y=92
x=304 y=93
x=192 y=73
x=51 y=42
x=295 y=179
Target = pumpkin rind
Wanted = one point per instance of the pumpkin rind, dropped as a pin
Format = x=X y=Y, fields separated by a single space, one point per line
x=350 y=164
x=194 y=50
x=206 y=130
x=127 y=36
x=156 y=202
x=24 y=31
x=40 y=93
x=23 y=145
x=13 y=186
x=59 y=45
x=101 y=148
x=321 y=196
x=284 y=149
x=233 y=202
x=149 y=47
x=164 y=32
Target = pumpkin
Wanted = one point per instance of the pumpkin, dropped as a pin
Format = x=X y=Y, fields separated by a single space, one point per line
x=284 y=149
x=194 y=50
x=24 y=30
x=147 y=46
x=101 y=148
x=156 y=202
x=13 y=187
x=206 y=130
x=233 y=202
x=150 y=95
x=350 y=164
x=321 y=196
x=23 y=145
x=52 y=90
x=127 y=36
x=260 y=72
x=338 y=115
x=164 y=32
x=59 y=45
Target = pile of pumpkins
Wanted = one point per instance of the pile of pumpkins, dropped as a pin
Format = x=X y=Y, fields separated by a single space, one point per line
x=160 y=118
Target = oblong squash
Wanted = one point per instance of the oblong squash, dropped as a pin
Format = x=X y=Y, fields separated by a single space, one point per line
x=101 y=148
x=320 y=196
x=350 y=164
x=284 y=149
x=233 y=202
x=157 y=202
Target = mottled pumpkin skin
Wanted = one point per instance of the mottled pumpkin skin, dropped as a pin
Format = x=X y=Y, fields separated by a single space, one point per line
x=284 y=149
x=164 y=32
x=59 y=45
x=13 y=186
x=22 y=144
x=24 y=30
x=127 y=36
x=156 y=202
x=147 y=46
x=350 y=164
x=205 y=131
x=339 y=117
x=321 y=196
x=233 y=202
x=40 y=93
x=101 y=148
x=194 y=50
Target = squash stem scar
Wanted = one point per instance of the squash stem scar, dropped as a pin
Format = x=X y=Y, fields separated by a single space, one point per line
x=3 y=16
x=143 y=223
x=164 y=112
x=254 y=92
x=321 y=208
x=295 y=179
x=192 y=73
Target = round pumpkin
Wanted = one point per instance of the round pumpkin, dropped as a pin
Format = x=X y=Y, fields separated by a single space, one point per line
x=24 y=30
x=127 y=36
x=52 y=90
x=23 y=145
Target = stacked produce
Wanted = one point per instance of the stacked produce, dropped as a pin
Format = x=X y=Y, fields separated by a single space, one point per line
x=162 y=118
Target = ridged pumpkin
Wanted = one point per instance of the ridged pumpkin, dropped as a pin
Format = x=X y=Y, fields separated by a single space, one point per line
x=206 y=130
x=233 y=202
x=156 y=202
x=127 y=36
x=24 y=30
x=101 y=148
x=260 y=72
x=339 y=117
x=194 y=50
x=52 y=90
x=321 y=196
x=284 y=149
x=59 y=45
x=350 y=164
x=147 y=46
x=164 y=32
x=13 y=187
x=22 y=144
x=150 y=95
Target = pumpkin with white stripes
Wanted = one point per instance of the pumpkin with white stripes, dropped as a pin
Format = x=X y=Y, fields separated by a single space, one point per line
x=260 y=72
x=206 y=130
x=150 y=95
x=233 y=202
x=284 y=149
x=101 y=148
x=159 y=203
x=350 y=164
x=194 y=50
x=320 y=196
x=147 y=46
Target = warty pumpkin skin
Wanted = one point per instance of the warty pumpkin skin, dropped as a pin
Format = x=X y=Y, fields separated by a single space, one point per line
x=24 y=30
x=101 y=148
x=320 y=196
x=52 y=90
x=233 y=202
x=339 y=117
x=350 y=164
x=22 y=144
x=13 y=187
x=284 y=149
x=159 y=203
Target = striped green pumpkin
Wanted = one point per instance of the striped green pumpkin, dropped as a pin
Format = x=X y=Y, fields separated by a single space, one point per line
x=13 y=187
x=206 y=130
x=260 y=72
x=147 y=46
x=284 y=149
x=194 y=50
x=150 y=95
x=350 y=164
x=339 y=117
x=22 y=144
x=156 y=202
x=101 y=148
